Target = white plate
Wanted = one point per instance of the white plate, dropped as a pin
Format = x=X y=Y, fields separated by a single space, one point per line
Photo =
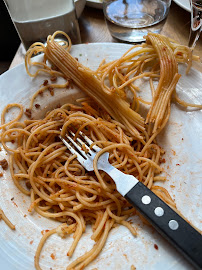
x=182 y=140
x=94 y=3
x=185 y=4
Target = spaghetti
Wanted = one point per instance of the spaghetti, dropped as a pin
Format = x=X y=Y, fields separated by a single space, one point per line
x=58 y=185
x=6 y=220
x=61 y=189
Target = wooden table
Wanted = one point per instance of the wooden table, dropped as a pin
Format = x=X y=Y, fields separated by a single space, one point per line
x=94 y=29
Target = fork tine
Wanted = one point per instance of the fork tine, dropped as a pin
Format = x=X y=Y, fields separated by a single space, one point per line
x=88 y=140
x=71 y=149
x=78 y=147
x=82 y=143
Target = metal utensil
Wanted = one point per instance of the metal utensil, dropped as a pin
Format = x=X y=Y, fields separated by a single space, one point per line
x=172 y=226
x=196 y=22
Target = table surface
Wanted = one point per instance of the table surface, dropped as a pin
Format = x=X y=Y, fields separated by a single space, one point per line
x=94 y=29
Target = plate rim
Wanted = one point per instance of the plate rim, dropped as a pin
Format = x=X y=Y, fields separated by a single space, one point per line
x=180 y=4
x=95 y=3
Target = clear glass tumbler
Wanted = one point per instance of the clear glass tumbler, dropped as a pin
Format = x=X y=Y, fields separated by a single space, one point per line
x=36 y=19
x=131 y=20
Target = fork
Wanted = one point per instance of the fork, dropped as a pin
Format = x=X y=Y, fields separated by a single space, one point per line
x=168 y=223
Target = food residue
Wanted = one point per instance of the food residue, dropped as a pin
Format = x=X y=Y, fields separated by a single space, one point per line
x=53 y=79
x=54 y=67
x=52 y=256
x=125 y=256
x=41 y=93
x=50 y=89
x=44 y=231
x=4 y=164
x=174 y=153
x=28 y=113
x=84 y=148
x=15 y=204
x=162 y=160
x=156 y=247
x=31 y=242
x=37 y=106
x=45 y=82
x=1 y=174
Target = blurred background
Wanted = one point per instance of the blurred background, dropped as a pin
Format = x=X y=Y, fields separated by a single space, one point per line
x=93 y=29
x=9 y=39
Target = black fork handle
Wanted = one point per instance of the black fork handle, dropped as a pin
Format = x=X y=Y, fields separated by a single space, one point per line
x=168 y=223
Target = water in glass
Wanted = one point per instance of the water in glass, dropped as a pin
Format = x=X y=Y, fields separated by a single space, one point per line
x=130 y=20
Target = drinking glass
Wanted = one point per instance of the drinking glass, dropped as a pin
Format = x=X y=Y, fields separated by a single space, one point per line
x=196 y=22
x=131 y=20
x=34 y=20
